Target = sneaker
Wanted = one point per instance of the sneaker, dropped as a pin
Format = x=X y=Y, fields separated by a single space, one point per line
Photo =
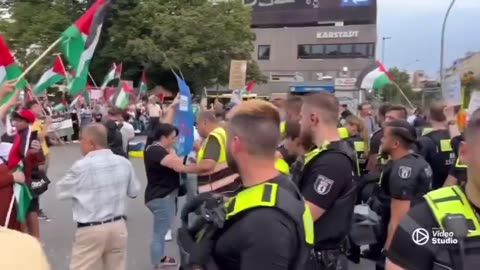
x=43 y=216
x=168 y=236
x=168 y=261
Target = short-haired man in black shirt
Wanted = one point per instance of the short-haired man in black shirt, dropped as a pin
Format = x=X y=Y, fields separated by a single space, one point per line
x=450 y=211
x=263 y=235
x=406 y=178
x=386 y=113
x=435 y=145
x=328 y=179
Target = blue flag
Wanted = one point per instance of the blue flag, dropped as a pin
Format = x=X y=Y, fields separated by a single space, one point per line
x=184 y=119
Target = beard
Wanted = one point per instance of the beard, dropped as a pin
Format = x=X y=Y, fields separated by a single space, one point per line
x=306 y=139
x=232 y=163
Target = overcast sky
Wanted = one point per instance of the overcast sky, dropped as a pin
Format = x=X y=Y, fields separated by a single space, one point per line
x=415 y=28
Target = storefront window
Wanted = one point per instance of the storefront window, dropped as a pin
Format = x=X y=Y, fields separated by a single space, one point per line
x=325 y=51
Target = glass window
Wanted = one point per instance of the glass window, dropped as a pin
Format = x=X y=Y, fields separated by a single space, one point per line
x=361 y=50
x=346 y=49
x=371 y=50
x=263 y=52
x=304 y=51
x=331 y=50
x=317 y=50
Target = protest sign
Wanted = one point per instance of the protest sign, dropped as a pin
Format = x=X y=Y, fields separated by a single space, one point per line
x=452 y=91
x=238 y=74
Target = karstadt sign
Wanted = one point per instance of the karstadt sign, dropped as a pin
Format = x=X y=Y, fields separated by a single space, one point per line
x=338 y=34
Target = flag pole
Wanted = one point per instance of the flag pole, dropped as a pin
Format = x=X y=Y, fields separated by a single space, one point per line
x=10 y=209
x=403 y=94
x=38 y=59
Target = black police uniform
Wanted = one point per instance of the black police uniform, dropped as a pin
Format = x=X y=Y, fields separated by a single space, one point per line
x=328 y=180
x=410 y=250
x=358 y=144
x=267 y=226
x=458 y=170
x=375 y=148
x=408 y=178
x=437 y=150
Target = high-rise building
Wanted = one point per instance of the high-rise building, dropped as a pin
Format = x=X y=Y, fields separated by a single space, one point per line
x=313 y=44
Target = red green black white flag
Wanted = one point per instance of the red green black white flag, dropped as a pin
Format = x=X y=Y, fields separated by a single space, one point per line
x=79 y=42
x=9 y=70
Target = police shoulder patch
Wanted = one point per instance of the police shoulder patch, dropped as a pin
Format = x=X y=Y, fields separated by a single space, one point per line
x=404 y=172
x=323 y=185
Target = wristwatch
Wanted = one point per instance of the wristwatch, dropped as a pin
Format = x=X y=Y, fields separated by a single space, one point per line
x=452 y=122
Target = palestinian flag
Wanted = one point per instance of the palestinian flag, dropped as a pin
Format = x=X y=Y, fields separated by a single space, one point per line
x=111 y=75
x=118 y=71
x=9 y=70
x=375 y=77
x=80 y=40
x=20 y=146
x=142 y=89
x=23 y=197
x=51 y=77
x=122 y=97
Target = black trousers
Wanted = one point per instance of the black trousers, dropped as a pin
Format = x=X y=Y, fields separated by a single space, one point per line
x=327 y=260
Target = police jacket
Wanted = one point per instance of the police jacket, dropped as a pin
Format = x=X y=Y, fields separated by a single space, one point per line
x=333 y=226
x=233 y=244
x=442 y=232
x=408 y=178
x=438 y=152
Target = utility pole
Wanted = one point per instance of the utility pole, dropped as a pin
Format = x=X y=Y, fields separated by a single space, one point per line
x=442 y=46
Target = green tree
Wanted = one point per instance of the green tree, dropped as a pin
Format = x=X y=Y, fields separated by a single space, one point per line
x=402 y=79
x=197 y=37
x=33 y=25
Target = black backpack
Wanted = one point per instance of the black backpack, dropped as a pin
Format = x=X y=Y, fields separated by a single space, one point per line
x=114 y=138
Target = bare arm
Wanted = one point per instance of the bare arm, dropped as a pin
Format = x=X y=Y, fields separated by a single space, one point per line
x=389 y=265
x=399 y=209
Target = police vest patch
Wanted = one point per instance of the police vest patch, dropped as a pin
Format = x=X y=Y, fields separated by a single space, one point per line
x=323 y=185
x=404 y=172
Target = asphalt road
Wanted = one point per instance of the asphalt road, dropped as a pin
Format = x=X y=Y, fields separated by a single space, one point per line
x=57 y=234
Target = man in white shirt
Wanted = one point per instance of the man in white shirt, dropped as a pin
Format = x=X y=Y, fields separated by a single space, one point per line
x=98 y=185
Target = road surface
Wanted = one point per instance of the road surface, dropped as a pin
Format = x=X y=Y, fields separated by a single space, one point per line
x=57 y=234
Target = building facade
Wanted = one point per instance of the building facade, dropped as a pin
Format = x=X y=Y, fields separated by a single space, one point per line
x=470 y=62
x=310 y=44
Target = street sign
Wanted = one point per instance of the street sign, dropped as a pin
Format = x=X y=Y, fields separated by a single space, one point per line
x=452 y=90
x=355 y=3
x=345 y=83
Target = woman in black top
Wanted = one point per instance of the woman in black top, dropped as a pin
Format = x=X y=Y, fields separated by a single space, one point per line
x=163 y=182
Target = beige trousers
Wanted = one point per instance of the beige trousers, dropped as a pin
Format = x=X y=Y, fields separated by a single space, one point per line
x=101 y=247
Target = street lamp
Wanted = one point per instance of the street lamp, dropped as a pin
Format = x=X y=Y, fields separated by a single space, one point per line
x=442 y=45
x=383 y=47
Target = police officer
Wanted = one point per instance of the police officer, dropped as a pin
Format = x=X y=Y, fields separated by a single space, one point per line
x=213 y=171
x=452 y=213
x=405 y=179
x=268 y=225
x=328 y=180
x=359 y=140
x=293 y=106
x=435 y=145
x=386 y=113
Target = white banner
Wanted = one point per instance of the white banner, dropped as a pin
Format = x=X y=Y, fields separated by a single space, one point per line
x=60 y=123
x=474 y=102
x=452 y=91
